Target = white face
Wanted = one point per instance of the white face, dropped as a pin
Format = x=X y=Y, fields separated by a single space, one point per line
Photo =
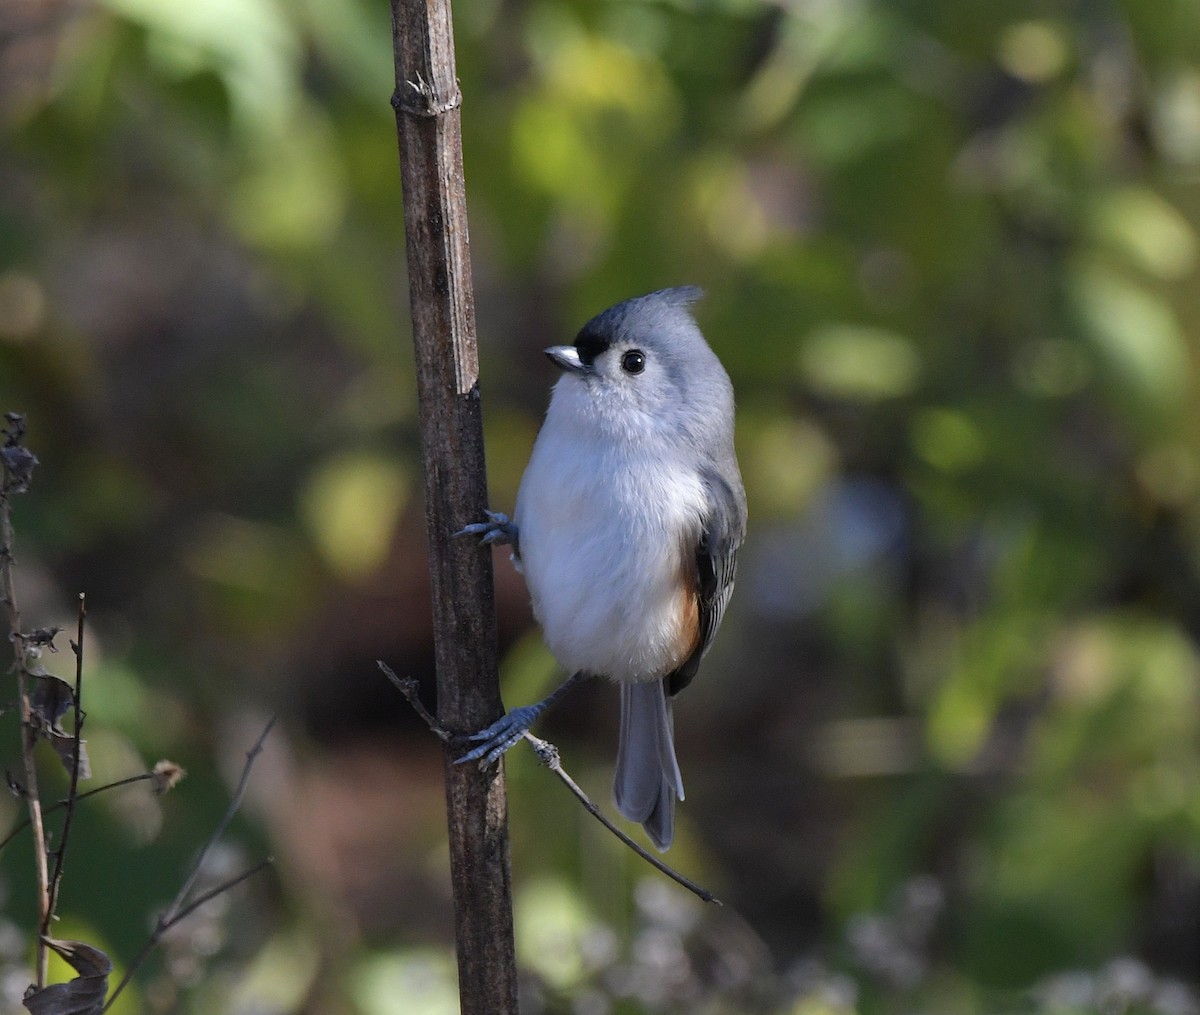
x=631 y=379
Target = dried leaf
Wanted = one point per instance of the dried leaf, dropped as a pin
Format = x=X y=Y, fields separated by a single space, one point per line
x=52 y=698
x=64 y=747
x=83 y=995
x=16 y=467
x=16 y=463
x=41 y=637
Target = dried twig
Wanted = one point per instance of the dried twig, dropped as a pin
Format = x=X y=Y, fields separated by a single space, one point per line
x=73 y=791
x=212 y=893
x=231 y=810
x=549 y=756
x=180 y=908
x=410 y=689
x=164 y=924
x=16 y=467
x=47 y=811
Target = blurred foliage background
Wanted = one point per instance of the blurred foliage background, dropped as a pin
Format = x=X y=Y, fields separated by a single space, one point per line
x=943 y=757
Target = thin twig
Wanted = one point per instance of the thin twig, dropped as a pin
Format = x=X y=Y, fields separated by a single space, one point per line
x=14 y=433
x=212 y=893
x=410 y=688
x=230 y=811
x=177 y=910
x=73 y=791
x=128 y=780
x=162 y=927
x=549 y=756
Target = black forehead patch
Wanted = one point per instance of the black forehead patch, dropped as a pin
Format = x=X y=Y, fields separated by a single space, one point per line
x=591 y=342
x=636 y=318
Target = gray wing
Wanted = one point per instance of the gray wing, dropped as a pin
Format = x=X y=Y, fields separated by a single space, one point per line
x=716 y=564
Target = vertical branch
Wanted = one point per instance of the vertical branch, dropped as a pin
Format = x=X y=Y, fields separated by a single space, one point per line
x=426 y=102
x=60 y=854
x=18 y=465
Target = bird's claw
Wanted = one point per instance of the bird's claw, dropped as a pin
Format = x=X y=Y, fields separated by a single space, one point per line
x=500 y=736
x=497 y=529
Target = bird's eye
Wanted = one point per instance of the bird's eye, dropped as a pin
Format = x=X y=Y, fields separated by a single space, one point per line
x=633 y=362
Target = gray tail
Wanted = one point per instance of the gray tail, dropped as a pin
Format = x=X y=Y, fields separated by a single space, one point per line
x=647 y=781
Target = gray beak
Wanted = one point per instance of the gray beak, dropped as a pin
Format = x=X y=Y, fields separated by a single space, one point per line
x=566 y=357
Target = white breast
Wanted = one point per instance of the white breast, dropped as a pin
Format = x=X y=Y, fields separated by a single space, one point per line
x=606 y=532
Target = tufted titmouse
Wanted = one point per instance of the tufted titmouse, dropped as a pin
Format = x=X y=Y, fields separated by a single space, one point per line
x=627 y=526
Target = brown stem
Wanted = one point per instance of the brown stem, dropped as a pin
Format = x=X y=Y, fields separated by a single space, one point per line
x=426 y=102
x=29 y=732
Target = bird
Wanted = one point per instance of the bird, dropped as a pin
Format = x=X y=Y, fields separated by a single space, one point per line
x=627 y=526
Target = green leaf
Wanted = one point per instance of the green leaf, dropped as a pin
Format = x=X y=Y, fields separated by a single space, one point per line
x=1135 y=330
x=857 y=362
x=350 y=505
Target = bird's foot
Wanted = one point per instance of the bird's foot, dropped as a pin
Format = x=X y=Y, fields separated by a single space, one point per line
x=498 y=529
x=501 y=735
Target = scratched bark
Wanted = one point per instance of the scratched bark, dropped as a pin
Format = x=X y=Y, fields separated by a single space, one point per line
x=439 y=272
